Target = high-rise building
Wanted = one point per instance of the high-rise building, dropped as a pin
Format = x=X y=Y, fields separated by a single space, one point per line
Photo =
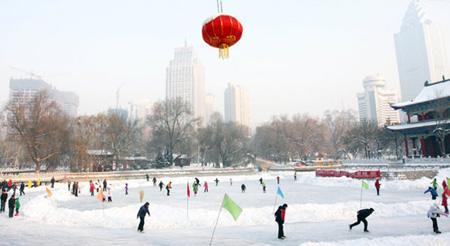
x=26 y=89
x=375 y=102
x=185 y=78
x=237 y=108
x=210 y=106
x=420 y=52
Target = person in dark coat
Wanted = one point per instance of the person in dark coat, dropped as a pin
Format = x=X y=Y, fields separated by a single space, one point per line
x=141 y=215
x=362 y=215
x=432 y=192
x=22 y=189
x=104 y=184
x=4 y=197
x=161 y=185
x=53 y=182
x=260 y=180
x=243 y=188
x=279 y=218
x=11 y=205
x=75 y=188
x=217 y=181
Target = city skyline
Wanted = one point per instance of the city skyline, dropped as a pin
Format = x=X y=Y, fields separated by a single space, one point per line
x=310 y=57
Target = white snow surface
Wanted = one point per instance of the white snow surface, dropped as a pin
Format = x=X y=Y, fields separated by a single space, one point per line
x=319 y=212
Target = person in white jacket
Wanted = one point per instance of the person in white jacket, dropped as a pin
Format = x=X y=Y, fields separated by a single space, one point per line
x=109 y=194
x=433 y=214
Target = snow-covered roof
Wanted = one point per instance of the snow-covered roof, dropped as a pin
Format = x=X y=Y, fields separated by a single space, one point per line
x=420 y=124
x=98 y=152
x=429 y=93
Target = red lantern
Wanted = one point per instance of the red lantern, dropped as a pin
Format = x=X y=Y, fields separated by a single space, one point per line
x=222 y=31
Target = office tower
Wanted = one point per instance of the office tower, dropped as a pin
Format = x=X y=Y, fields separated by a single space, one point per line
x=420 y=52
x=185 y=78
x=210 y=106
x=236 y=104
x=26 y=89
x=375 y=102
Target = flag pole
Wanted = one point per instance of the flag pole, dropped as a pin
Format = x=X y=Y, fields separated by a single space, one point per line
x=360 y=200
x=210 y=242
x=275 y=204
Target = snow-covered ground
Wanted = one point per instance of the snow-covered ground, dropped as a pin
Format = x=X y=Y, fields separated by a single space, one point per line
x=319 y=212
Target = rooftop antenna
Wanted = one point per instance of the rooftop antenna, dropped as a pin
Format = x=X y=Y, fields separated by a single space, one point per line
x=219 y=6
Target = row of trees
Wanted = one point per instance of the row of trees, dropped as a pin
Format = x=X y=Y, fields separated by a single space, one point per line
x=40 y=134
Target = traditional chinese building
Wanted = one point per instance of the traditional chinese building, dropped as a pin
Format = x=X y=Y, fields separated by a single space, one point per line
x=427 y=130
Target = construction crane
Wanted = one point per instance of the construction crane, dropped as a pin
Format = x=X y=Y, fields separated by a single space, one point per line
x=32 y=75
x=117 y=96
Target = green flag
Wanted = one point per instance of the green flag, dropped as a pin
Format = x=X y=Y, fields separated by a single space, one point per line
x=448 y=181
x=232 y=207
x=20 y=176
x=365 y=185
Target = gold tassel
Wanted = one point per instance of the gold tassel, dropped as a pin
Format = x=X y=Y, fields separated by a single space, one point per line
x=224 y=51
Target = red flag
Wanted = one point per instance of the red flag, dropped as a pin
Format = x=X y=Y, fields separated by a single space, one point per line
x=188 y=191
x=447 y=192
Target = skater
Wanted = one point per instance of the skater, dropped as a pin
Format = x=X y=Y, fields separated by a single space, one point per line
x=168 y=187
x=147 y=177
x=206 y=186
x=104 y=184
x=243 y=188
x=17 y=207
x=278 y=179
x=75 y=188
x=4 y=198
x=279 y=218
x=433 y=214
x=154 y=181
x=22 y=188
x=126 y=189
x=377 y=186
x=217 y=181
x=264 y=186
x=295 y=175
x=141 y=215
x=195 y=188
x=432 y=192
x=161 y=185
x=91 y=187
x=197 y=181
x=435 y=185
x=53 y=182
x=109 y=194
x=362 y=215
x=97 y=185
x=68 y=184
x=260 y=180
x=11 y=205
x=231 y=181
x=444 y=202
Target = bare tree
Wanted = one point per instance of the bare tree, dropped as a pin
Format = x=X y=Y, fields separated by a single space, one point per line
x=173 y=127
x=339 y=123
x=40 y=125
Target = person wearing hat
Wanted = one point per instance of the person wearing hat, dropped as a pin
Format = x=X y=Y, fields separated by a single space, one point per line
x=141 y=214
x=361 y=216
x=279 y=218
x=433 y=214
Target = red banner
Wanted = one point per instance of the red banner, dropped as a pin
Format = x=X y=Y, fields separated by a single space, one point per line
x=355 y=175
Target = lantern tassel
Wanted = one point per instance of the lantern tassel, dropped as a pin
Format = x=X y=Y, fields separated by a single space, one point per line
x=224 y=51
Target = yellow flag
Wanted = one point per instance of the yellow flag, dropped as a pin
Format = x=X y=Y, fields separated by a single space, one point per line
x=120 y=178
x=100 y=195
x=39 y=182
x=29 y=183
x=141 y=195
x=49 y=193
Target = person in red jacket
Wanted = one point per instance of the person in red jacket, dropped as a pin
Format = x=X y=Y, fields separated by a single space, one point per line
x=378 y=185
x=444 y=202
x=91 y=188
x=279 y=218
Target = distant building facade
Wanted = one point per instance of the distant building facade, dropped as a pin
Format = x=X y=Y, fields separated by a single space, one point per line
x=420 y=52
x=210 y=106
x=26 y=89
x=375 y=102
x=237 y=107
x=185 y=78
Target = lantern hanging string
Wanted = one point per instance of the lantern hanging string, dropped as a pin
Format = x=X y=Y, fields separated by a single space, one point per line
x=219 y=6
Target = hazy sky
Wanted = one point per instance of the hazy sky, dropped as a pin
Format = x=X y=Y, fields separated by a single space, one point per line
x=295 y=56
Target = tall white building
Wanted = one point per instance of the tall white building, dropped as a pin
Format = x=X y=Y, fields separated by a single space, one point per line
x=185 y=78
x=420 y=52
x=237 y=108
x=375 y=102
x=210 y=106
x=26 y=89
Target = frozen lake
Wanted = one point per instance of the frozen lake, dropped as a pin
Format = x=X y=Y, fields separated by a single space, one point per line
x=319 y=212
